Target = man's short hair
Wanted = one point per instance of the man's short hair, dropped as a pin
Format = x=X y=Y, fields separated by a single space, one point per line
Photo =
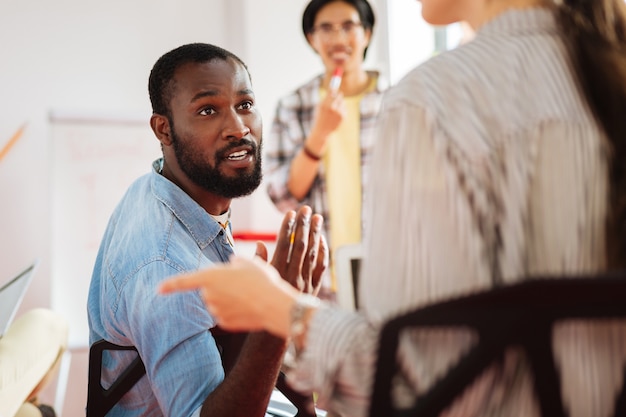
x=161 y=82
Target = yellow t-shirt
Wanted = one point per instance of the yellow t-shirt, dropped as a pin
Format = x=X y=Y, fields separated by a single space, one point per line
x=342 y=162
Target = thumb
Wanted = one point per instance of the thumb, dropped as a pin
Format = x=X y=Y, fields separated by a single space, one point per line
x=261 y=250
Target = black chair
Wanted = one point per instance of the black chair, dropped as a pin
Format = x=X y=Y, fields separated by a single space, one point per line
x=522 y=315
x=100 y=400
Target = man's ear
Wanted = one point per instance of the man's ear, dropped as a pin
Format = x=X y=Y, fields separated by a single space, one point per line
x=161 y=127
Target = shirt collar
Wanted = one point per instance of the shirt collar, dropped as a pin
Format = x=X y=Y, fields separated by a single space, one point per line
x=200 y=225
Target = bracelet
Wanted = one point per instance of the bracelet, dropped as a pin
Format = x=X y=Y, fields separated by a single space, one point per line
x=299 y=318
x=311 y=154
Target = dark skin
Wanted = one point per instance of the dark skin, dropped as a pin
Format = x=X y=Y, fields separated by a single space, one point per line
x=213 y=104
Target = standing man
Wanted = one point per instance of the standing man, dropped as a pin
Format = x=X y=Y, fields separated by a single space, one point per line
x=322 y=134
x=176 y=219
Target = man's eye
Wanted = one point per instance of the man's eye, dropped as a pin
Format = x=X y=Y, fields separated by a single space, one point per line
x=207 y=111
x=246 y=105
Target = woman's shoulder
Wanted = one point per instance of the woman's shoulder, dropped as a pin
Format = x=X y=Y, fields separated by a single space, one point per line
x=444 y=78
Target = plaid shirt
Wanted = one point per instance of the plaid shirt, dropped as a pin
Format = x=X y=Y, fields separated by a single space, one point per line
x=292 y=124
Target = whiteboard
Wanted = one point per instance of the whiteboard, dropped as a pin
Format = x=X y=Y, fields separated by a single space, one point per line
x=93 y=162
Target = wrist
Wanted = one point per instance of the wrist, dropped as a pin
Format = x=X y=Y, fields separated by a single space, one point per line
x=276 y=316
x=315 y=143
x=301 y=312
x=311 y=154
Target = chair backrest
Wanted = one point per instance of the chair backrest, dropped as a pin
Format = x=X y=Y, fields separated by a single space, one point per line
x=522 y=315
x=100 y=400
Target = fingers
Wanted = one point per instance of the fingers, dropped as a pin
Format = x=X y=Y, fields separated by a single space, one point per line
x=299 y=246
x=227 y=291
x=283 y=242
x=301 y=254
x=291 y=245
x=330 y=113
x=261 y=250
x=338 y=106
x=321 y=265
x=333 y=100
x=204 y=279
x=338 y=100
x=186 y=282
x=310 y=260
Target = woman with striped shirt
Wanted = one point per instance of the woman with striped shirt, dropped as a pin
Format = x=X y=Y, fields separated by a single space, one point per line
x=500 y=160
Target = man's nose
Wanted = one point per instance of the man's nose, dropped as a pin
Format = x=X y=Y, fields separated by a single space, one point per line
x=234 y=127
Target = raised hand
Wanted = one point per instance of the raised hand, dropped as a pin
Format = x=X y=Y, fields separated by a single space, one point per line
x=330 y=112
x=250 y=295
x=301 y=253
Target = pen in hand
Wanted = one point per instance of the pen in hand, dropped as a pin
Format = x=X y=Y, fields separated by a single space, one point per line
x=335 y=80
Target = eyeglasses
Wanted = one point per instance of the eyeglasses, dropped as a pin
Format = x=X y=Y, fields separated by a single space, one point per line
x=347 y=28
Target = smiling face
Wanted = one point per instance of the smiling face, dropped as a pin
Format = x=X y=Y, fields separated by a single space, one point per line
x=339 y=37
x=212 y=137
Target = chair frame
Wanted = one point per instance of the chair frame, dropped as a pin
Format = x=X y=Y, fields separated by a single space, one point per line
x=100 y=400
x=522 y=314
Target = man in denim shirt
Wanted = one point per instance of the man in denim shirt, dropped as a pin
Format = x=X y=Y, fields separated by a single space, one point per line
x=175 y=220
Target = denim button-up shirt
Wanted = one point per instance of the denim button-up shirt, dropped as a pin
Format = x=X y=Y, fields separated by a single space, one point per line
x=157 y=231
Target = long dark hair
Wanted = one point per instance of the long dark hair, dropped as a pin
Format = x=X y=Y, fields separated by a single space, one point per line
x=595 y=34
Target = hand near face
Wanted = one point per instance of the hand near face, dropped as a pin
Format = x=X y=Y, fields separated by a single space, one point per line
x=329 y=114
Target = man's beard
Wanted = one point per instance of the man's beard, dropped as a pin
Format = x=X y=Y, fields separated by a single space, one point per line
x=210 y=178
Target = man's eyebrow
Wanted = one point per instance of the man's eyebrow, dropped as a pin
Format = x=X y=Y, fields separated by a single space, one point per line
x=202 y=94
x=213 y=93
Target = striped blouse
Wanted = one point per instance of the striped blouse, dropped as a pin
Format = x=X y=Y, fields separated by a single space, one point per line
x=488 y=168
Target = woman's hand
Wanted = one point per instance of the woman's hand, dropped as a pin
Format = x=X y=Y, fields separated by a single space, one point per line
x=243 y=295
x=252 y=295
